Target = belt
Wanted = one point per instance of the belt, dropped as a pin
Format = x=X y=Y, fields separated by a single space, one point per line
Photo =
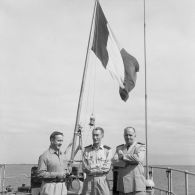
x=53 y=180
x=96 y=175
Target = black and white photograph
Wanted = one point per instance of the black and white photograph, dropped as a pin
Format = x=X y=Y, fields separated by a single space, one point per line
x=97 y=97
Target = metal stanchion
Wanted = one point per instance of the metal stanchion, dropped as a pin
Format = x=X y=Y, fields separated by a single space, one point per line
x=150 y=184
x=186 y=182
x=169 y=176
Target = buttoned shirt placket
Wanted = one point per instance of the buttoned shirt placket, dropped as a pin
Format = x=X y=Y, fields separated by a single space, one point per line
x=58 y=154
x=96 y=162
x=59 y=157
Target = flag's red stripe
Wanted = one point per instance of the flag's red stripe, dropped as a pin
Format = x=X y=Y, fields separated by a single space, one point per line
x=131 y=67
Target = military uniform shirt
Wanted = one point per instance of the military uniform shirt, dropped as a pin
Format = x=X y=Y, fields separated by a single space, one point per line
x=131 y=171
x=96 y=165
x=97 y=160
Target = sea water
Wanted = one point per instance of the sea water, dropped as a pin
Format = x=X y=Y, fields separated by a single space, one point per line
x=18 y=174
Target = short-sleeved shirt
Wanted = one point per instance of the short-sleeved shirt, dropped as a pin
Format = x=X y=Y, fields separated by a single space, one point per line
x=96 y=164
x=97 y=159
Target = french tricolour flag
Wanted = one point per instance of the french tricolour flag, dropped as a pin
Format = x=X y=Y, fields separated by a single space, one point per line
x=121 y=65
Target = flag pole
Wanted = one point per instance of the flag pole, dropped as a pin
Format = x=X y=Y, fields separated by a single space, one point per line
x=146 y=97
x=82 y=89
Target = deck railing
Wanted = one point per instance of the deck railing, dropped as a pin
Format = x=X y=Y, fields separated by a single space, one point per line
x=168 y=190
x=169 y=173
x=2 y=177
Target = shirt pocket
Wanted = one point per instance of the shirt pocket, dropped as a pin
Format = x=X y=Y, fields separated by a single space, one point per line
x=89 y=159
x=101 y=159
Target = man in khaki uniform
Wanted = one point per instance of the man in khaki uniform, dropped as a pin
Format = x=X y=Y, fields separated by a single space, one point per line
x=52 y=167
x=96 y=165
x=129 y=158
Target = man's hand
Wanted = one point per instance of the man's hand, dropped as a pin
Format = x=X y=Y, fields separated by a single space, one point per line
x=95 y=172
x=120 y=154
x=61 y=175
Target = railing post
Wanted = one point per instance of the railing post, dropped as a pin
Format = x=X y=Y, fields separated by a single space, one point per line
x=167 y=172
x=150 y=183
x=170 y=182
x=2 y=177
x=186 y=182
x=169 y=176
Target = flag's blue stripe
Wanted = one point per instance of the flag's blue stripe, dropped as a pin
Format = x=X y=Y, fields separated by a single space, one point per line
x=101 y=34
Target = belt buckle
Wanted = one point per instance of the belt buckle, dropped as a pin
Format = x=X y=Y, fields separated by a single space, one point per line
x=60 y=180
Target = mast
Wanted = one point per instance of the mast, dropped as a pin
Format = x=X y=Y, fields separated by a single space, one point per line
x=146 y=102
x=82 y=89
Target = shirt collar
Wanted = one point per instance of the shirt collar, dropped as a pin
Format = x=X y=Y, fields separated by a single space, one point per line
x=51 y=150
x=132 y=145
x=101 y=147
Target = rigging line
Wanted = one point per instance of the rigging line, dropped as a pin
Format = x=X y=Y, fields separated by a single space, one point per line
x=146 y=117
x=88 y=99
x=96 y=24
x=87 y=135
x=89 y=107
x=82 y=87
x=93 y=29
x=94 y=91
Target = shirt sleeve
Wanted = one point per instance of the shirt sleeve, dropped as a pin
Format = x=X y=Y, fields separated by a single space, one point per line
x=137 y=157
x=42 y=169
x=116 y=161
x=115 y=157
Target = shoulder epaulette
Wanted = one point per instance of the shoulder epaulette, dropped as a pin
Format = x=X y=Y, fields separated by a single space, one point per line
x=88 y=146
x=140 y=143
x=120 y=145
x=107 y=147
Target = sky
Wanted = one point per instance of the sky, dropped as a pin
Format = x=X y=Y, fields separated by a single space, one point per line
x=43 y=47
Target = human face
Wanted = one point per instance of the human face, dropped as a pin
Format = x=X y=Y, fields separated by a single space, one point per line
x=97 y=137
x=57 y=142
x=129 y=136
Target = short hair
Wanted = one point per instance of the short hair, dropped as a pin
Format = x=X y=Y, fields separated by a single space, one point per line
x=126 y=128
x=99 y=128
x=52 y=136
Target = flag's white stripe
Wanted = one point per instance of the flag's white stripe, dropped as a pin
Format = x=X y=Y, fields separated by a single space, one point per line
x=115 y=63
